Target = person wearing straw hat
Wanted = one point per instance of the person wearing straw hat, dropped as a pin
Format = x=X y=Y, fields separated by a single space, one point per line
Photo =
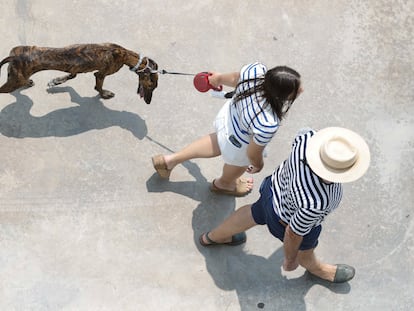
x=243 y=127
x=298 y=195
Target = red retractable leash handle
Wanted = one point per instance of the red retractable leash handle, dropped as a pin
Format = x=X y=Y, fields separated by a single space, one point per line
x=202 y=84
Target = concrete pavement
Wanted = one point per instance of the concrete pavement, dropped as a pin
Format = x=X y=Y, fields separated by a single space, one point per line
x=86 y=225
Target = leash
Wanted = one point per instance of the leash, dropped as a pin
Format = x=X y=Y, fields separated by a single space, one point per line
x=163 y=72
x=214 y=93
x=151 y=70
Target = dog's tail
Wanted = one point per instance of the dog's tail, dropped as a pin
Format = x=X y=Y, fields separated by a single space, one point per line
x=6 y=60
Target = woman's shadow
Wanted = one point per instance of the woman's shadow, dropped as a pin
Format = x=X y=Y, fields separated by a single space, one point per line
x=16 y=120
x=257 y=280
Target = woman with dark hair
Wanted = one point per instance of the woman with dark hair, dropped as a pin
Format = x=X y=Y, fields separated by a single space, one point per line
x=244 y=126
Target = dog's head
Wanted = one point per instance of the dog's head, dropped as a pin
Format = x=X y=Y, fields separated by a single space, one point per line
x=147 y=79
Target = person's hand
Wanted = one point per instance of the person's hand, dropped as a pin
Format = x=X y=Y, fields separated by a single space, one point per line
x=290 y=265
x=213 y=78
x=253 y=169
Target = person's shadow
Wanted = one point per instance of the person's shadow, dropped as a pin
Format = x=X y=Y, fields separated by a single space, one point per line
x=257 y=280
x=16 y=120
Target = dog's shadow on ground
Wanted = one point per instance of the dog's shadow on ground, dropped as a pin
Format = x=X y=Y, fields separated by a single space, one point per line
x=16 y=120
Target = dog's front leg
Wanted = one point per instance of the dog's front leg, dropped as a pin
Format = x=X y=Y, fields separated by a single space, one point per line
x=60 y=80
x=105 y=94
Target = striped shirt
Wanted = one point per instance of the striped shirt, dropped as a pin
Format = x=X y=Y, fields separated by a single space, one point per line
x=300 y=198
x=251 y=117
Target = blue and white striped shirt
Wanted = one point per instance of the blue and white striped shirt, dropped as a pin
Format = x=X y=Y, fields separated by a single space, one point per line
x=251 y=117
x=300 y=198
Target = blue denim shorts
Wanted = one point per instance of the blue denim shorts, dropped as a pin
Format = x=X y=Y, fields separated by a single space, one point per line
x=264 y=214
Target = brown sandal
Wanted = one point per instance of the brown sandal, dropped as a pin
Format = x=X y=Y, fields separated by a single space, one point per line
x=240 y=191
x=161 y=167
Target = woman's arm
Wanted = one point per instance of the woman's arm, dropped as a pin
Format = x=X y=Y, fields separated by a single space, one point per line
x=229 y=79
x=291 y=243
x=255 y=155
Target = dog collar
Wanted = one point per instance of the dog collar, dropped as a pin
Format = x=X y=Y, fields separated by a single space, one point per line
x=139 y=63
x=147 y=66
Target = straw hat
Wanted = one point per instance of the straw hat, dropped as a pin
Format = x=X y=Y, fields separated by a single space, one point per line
x=337 y=154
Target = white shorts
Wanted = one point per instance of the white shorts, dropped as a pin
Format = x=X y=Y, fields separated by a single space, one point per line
x=233 y=151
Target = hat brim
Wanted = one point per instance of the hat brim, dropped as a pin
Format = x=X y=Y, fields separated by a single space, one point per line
x=341 y=176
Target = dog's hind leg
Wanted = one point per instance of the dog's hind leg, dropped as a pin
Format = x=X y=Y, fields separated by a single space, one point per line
x=8 y=87
x=60 y=80
x=15 y=82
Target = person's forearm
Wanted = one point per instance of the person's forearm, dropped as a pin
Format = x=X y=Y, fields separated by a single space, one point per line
x=255 y=155
x=229 y=79
x=291 y=243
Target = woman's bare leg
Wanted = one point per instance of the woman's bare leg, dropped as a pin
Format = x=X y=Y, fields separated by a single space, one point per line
x=308 y=260
x=230 y=175
x=204 y=147
x=239 y=221
x=207 y=147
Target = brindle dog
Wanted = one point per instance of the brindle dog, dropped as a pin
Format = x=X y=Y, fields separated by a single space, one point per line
x=105 y=59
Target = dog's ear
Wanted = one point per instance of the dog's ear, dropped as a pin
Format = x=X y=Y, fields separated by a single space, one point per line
x=153 y=65
x=145 y=89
